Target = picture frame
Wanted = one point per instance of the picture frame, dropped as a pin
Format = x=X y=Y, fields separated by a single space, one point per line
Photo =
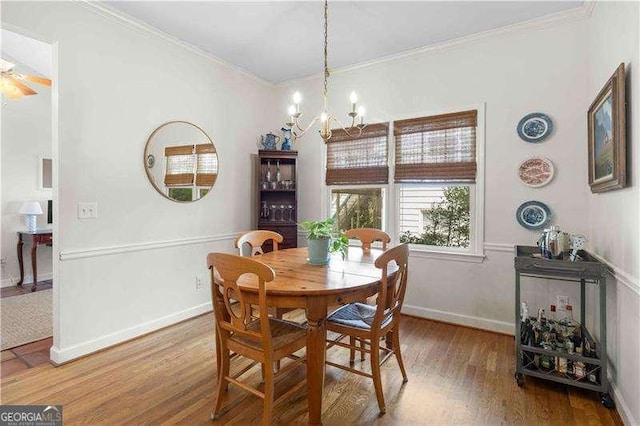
x=607 y=136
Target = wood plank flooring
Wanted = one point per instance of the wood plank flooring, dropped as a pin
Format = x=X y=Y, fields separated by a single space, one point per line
x=457 y=375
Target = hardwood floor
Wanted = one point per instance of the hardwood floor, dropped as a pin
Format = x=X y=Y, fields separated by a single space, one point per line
x=457 y=375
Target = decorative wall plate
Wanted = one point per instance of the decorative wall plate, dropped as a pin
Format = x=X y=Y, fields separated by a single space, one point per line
x=533 y=215
x=534 y=127
x=536 y=171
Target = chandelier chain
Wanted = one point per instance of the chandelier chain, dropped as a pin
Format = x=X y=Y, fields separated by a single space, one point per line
x=326 y=49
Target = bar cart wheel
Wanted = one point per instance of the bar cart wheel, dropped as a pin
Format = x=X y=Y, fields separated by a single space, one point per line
x=520 y=380
x=606 y=400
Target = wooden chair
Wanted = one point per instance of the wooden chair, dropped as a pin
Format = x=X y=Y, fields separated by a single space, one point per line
x=264 y=340
x=368 y=324
x=255 y=240
x=368 y=236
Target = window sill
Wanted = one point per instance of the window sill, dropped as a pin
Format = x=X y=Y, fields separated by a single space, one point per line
x=446 y=255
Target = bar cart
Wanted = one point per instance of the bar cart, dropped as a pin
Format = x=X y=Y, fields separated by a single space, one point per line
x=542 y=356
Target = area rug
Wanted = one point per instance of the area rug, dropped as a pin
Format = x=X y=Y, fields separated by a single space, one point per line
x=25 y=318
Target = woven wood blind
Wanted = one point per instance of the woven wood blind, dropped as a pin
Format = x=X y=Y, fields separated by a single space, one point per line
x=179 y=166
x=358 y=160
x=440 y=148
x=207 y=165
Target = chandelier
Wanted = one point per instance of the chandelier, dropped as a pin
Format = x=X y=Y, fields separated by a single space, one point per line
x=325 y=118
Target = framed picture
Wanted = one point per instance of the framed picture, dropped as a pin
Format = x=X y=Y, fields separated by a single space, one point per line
x=607 y=139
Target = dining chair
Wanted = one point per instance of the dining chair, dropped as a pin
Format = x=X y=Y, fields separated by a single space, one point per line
x=368 y=324
x=368 y=236
x=255 y=240
x=263 y=340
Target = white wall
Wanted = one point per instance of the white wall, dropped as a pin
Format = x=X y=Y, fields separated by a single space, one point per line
x=501 y=72
x=614 y=228
x=133 y=268
x=26 y=137
x=552 y=68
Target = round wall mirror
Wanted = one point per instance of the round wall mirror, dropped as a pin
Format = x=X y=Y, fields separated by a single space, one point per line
x=181 y=161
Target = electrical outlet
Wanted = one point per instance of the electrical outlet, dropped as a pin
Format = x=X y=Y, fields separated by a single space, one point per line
x=199 y=282
x=562 y=302
x=87 y=210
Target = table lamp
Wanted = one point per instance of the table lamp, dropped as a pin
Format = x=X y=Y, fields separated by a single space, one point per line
x=31 y=209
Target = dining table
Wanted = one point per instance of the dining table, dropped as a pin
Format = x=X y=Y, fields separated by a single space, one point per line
x=316 y=288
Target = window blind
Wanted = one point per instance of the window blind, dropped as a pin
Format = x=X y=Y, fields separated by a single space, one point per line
x=439 y=148
x=358 y=160
x=179 y=165
x=207 y=164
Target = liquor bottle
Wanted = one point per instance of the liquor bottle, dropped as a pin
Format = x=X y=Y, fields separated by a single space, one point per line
x=569 y=325
x=267 y=175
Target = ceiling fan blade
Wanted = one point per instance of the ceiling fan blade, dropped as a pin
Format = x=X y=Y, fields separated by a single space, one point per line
x=9 y=90
x=6 y=65
x=36 y=79
x=10 y=82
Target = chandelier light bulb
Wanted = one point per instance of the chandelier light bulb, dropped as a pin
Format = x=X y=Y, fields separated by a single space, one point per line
x=326 y=120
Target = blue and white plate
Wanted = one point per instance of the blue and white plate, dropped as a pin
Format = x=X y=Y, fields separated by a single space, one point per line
x=534 y=127
x=533 y=215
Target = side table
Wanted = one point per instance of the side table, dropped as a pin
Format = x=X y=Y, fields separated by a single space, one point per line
x=39 y=237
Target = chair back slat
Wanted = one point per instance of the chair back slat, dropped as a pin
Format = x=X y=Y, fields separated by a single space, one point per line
x=226 y=269
x=255 y=240
x=391 y=295
x=368 y=236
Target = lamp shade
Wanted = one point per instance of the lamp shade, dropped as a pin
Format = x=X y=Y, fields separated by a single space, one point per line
x=31 y=207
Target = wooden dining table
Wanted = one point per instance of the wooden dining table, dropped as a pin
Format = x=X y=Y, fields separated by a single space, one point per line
x=315 y=288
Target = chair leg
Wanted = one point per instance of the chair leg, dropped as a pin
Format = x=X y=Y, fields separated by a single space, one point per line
x=223 y=385
x=362 y=345
x=278 y=314
x=352 y=350
x=375 y=372
x=398 y=353
x=268 y=396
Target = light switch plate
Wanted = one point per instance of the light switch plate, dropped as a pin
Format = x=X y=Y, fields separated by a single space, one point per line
x=87 y=210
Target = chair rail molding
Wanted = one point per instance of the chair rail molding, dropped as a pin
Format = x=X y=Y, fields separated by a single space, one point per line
x=155 y=245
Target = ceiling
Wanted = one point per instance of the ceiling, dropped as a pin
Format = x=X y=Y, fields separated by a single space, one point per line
x=282 y=40
x=25 y=50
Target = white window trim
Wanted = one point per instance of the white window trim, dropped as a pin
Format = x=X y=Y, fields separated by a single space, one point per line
x=475 y=253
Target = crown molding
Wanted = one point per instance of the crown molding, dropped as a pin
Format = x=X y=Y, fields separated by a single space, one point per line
x=571 y=15
x=132 y=23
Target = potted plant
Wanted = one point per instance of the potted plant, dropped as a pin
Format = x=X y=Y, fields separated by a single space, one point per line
x=323 y=239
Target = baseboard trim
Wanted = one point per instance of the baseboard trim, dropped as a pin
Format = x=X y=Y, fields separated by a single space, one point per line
x=128 y=248
x=62 y=355
x=460 y=319
x=7 y=282
x=621 y=404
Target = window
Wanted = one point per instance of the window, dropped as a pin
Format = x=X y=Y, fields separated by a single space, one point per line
x=354 y=164
x=435 y=169
x=434 y=215
x=357 y=208
x=436 y=193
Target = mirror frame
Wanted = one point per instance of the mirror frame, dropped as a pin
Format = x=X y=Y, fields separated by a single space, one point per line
x=151 y=179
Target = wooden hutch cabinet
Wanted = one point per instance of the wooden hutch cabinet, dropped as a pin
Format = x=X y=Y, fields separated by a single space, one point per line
x=277 y=206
